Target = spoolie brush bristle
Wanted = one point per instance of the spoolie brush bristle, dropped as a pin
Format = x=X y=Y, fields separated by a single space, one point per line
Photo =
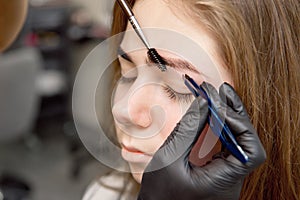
x=156 y=58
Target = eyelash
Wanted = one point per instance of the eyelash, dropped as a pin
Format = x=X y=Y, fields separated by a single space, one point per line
x=125 y=80
x=124 y=56
x=184 y=98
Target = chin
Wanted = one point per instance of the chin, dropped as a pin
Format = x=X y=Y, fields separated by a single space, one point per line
x=137 y=177
x=137 y=172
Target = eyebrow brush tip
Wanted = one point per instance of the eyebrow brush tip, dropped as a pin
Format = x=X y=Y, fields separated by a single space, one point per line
x=156 y=58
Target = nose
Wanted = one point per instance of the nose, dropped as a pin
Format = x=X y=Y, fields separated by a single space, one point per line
x=134 y=108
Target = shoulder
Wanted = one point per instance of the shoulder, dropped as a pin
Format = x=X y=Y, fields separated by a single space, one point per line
x=109 y=187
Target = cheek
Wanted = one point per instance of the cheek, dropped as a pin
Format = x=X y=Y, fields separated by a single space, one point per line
x=174 y=111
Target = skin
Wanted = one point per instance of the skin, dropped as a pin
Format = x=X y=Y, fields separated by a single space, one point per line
x=143 y=112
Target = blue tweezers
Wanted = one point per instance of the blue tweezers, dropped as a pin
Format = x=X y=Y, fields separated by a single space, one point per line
x=219 y=127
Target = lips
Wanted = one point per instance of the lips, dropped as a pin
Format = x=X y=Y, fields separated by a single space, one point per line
x=131 y=149
x=134 y=155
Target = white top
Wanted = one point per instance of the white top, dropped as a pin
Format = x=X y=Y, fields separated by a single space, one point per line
x=110 y=187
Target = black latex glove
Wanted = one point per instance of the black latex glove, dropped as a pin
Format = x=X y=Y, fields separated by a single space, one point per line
x=222 y=178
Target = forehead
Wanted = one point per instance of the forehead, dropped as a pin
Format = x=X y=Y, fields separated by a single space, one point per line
x=158 y=13
x=168 y=16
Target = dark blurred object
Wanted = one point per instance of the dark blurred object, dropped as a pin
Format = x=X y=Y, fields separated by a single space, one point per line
x=53 y=27
x=79 y=154
x=48 y=25
x=13 y=188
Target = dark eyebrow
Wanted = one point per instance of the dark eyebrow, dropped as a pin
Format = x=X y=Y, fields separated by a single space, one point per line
x=175 y=63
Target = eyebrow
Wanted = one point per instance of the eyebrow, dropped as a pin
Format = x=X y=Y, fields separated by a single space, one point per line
x=175 y=63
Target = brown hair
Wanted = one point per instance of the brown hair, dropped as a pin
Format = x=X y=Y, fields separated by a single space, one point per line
x=259 y=43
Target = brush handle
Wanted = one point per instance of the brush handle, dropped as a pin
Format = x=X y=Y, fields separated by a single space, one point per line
x=134 y=23
x=124 y=5
x=136 y=27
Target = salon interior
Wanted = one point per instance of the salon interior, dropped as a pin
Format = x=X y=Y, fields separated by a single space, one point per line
x=41 y=154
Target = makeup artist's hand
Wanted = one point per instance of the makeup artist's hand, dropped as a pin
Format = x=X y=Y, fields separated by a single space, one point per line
x=222 y=178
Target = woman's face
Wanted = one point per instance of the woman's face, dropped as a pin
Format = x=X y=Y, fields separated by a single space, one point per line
x=147 y=102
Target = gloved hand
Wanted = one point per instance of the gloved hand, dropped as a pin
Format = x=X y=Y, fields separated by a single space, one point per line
x=222 y=178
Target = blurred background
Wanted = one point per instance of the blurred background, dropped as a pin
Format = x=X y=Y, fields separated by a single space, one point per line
x=41 y=156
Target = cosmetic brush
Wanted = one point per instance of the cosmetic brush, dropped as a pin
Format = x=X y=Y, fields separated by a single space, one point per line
x=152 y=53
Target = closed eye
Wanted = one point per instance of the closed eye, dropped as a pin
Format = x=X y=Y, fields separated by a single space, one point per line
x=179 y=97
x=127 y=80
x=124 y=55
